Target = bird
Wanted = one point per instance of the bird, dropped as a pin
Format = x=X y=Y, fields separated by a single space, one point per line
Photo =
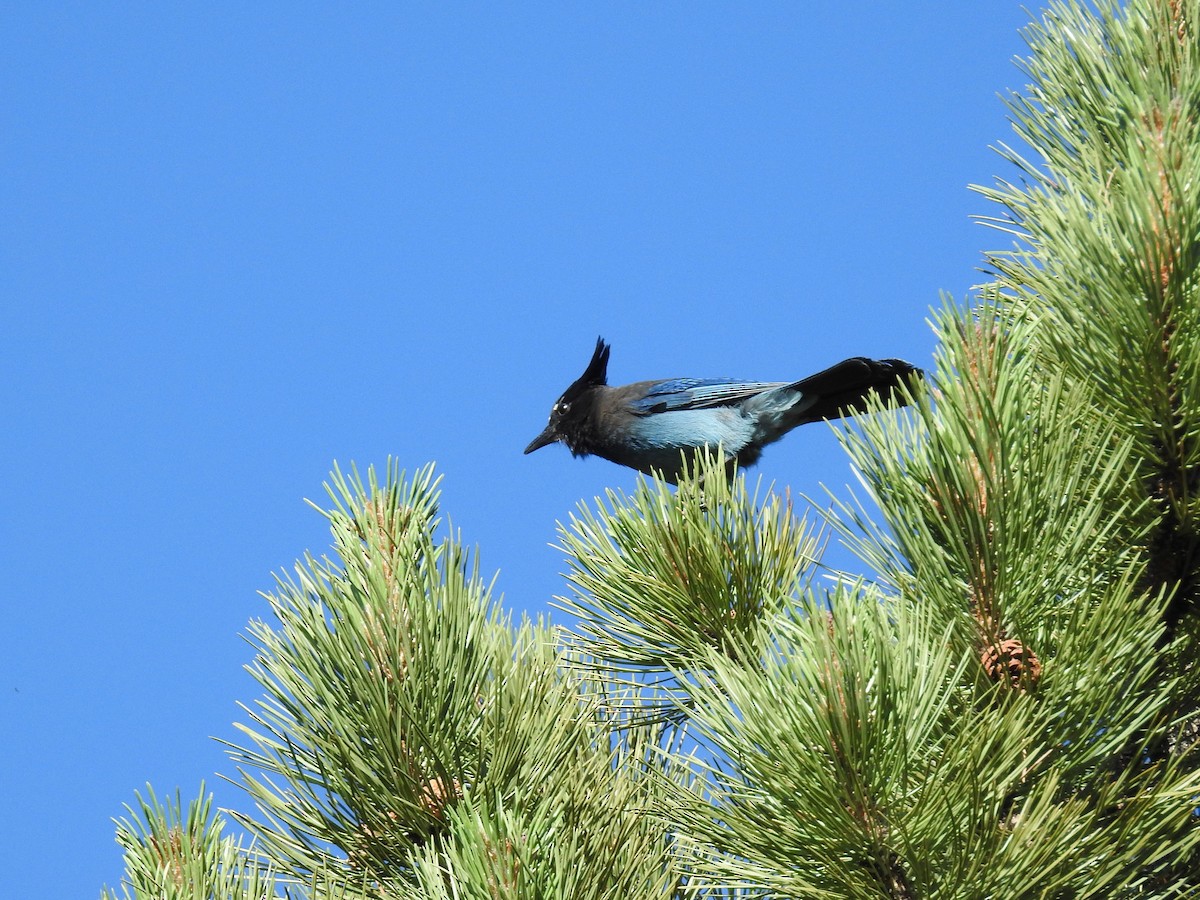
x=658 y=426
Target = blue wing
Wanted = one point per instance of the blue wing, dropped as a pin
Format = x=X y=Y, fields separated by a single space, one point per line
x=699 y=393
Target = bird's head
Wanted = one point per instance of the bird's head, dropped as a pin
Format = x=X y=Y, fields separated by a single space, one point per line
x=569 y=414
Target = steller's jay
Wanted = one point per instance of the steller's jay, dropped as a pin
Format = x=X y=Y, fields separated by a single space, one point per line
x=650 y=425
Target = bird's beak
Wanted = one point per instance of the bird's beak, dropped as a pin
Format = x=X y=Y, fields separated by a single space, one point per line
x=545 y=439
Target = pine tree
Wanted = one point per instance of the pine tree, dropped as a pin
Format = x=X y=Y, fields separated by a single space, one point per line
x=1004 y=702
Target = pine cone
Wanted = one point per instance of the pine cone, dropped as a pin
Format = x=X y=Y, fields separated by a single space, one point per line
x=1012 y=662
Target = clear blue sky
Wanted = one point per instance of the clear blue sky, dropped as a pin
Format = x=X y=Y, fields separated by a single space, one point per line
x=239 y=241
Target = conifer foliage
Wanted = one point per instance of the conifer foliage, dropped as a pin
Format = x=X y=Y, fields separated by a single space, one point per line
x=1004 y=702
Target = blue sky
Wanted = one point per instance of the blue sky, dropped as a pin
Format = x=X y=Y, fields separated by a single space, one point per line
x=242 y=241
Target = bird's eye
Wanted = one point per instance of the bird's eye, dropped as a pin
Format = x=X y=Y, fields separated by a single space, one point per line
x=562 y=407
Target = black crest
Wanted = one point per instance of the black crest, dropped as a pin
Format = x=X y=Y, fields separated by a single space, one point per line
x=596 y=372
x=595 y=375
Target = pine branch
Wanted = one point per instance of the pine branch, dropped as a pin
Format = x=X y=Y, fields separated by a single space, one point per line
x=1109 y=262
x=173 y=855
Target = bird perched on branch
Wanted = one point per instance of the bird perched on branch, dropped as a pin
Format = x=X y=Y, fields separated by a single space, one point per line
x=651 y=425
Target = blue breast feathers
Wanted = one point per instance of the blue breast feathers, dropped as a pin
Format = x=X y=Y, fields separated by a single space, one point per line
x=684 y=428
